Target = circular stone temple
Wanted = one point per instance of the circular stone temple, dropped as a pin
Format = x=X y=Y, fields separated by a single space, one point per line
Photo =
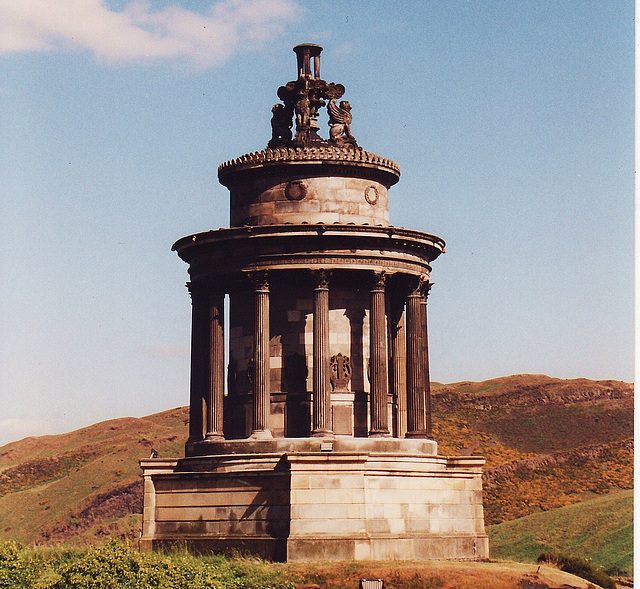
x=311 y=437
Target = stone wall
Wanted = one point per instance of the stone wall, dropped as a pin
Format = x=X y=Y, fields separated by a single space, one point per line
x=299 y=199
x=345 y=499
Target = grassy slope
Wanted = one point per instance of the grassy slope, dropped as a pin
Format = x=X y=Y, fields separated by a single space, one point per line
x=600 y=529
x=50 y=499
x=564 y=441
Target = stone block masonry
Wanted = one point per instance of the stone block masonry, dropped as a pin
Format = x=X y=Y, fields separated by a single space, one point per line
x=361 y=500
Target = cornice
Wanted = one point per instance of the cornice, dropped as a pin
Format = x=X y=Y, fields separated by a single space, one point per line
x=314 y=154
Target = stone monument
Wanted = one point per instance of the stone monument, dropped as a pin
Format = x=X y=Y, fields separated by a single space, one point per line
x=312 y=440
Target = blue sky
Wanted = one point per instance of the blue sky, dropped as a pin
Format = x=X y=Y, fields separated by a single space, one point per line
x=512 y=122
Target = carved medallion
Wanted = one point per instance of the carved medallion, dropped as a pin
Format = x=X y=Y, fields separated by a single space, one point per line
x=296 y=190
x=371 y=194
x=340 y=372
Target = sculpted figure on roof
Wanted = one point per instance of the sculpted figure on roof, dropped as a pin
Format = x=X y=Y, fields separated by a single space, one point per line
x=302 y=99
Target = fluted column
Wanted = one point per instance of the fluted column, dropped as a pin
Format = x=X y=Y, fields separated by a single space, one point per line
x=378 y=355
x=321 y=385
x=216 y=366
x=398 y=377
x=199 y=353
x=416 y=410
x=261 y=374
x=425 y=359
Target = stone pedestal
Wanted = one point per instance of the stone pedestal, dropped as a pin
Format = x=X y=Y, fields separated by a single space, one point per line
x=319 y=499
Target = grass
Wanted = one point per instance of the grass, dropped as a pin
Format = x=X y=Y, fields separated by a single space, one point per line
x=580 y=567
x=600 y=530
x=117 y=565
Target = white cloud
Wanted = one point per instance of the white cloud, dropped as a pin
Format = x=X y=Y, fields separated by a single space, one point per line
x=139 y=32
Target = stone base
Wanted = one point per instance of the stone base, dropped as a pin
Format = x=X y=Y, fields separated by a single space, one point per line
x=318 y=499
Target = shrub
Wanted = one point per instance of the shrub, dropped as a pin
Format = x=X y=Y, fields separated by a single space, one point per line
x=118 y=565
x=578 y=566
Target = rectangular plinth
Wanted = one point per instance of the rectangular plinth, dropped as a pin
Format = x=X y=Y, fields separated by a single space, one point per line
x=318 y=505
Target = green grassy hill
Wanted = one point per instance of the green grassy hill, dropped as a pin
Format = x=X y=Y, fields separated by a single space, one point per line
x=600 y=529
x=548 y=443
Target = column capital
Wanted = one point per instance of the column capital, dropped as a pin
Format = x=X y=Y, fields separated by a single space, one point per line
x=378 y=281
x=196 y=288
x=321 y=278
x=416 y=285
x=426 y=289
x=260 y=280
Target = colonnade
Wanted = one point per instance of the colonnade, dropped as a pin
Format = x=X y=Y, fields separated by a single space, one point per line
x=407 y=358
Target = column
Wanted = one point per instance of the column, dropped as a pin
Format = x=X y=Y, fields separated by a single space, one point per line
x=416 y=411
x=378 y=358
x=199 y=352
x=321 y=385
x=425 y=359
x=216 y=367
x=398 y=377
x=261 y=374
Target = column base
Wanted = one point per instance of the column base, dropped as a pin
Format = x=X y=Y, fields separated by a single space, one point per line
x=422 y=434
x=263 y=434
x=379 y=433
x=322 y=433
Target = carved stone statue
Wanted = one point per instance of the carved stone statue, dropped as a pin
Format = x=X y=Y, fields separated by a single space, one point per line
x=340 y=123
x=302 y=109
x=303 y=98
x=281 y=123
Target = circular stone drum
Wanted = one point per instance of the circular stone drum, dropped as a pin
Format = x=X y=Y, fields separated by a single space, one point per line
x=309 y=185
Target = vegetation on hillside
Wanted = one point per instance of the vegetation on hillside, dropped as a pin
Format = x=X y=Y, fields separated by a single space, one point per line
x=547 y=442
x=579 y=567
x=600 y=530
x=531 y=486
x=83 y=486
x=118 y=565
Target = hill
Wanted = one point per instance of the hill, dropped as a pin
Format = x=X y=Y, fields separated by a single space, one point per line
x=84 y=485
x=600 y=530
x=548 y=443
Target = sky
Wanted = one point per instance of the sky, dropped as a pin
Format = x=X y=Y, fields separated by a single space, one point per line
x=512 y=121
